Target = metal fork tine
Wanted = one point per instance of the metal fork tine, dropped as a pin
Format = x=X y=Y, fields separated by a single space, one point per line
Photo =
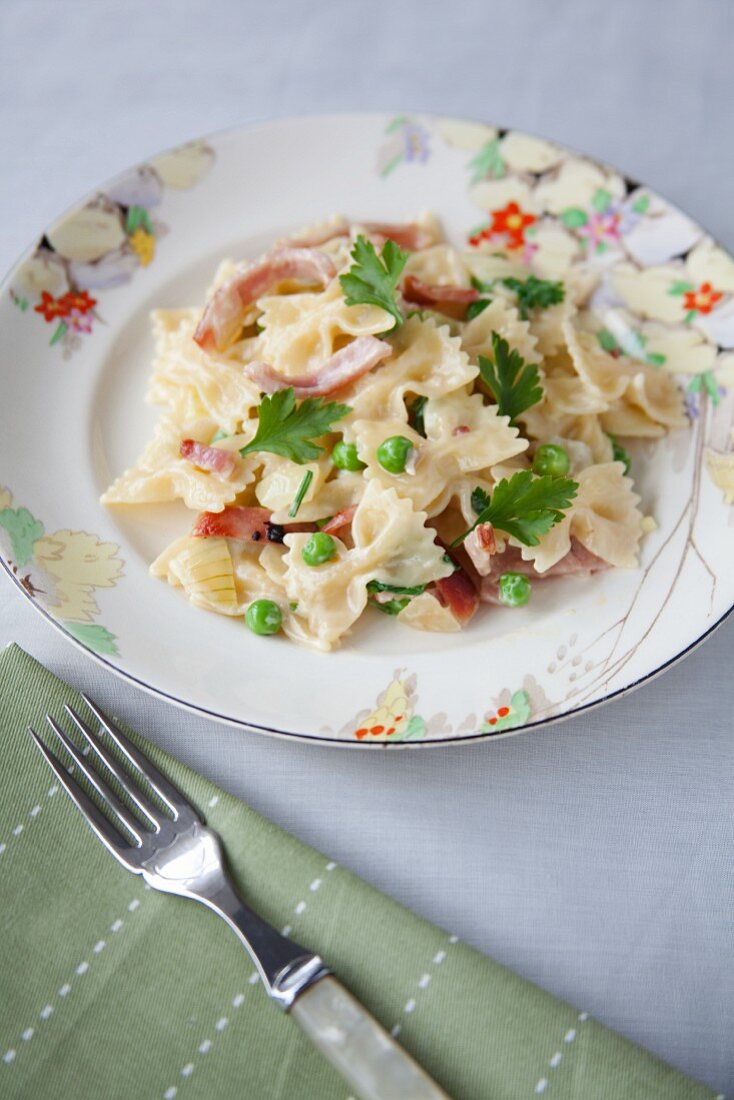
x=104 y=829
x=145 y=805
x=106 y=793
x=165 y=790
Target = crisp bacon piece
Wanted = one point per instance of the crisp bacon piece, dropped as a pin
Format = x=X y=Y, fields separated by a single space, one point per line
x=213 y=459
x=345 y=365
x=578 y=562
x=340 y=520
x=223 y=313
x=451 y=300
x=234 y=522
x=458 y=593
x=481 y=546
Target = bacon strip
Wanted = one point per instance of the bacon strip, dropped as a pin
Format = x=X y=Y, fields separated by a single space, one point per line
x=223 y=313
x=340 y=520
x=425 y=294
x=234 y=522
x=480 y=545
x=345 y=365
x=213 y=459
x=451 y=300
x=458 y=593
x=578 y=562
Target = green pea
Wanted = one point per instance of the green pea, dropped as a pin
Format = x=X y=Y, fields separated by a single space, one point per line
x=263 y=617
x=515 y=589
x=345 y=457
x=551 y=459
x=320 y=548
x=392 y=454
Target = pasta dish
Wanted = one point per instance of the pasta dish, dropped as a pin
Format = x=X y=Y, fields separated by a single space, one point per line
x=369 y=418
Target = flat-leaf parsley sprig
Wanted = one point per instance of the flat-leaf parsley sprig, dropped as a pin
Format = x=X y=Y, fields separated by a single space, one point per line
x=514 y=384
x=525 y=506
x=288 y=430
x=372 y=279
x=535 y=293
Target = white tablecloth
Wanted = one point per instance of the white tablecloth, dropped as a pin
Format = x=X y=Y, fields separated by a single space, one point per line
x=594 y=857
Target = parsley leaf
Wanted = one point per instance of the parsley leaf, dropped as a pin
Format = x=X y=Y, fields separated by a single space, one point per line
x=404 y=590
x=475 y=308
x=404 y=593
x=619 y=454
x=479 y=500
x=515 y=384
x=535 y=293
x=286 y=430
x=525 y=506
x=372 y=279
x=415 y=415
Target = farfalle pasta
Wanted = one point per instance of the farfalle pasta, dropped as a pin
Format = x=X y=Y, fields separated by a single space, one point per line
x=368 y=419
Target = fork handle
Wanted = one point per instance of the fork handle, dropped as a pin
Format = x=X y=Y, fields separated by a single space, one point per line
x=376 y=1067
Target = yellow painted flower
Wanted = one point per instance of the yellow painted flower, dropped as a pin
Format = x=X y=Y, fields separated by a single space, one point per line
x=143 y=244
x=721 y=469
x=6 y=498
x=79 y=563
x=391 y=717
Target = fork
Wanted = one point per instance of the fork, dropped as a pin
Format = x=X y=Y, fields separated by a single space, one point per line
x=167 y=842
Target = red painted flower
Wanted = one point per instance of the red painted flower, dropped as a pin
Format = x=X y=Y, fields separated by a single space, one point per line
x=702 y=300
x=510 y=222
x=52 y=308
x=80 y=300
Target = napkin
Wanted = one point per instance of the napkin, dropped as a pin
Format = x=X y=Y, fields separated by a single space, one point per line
x=111 y=990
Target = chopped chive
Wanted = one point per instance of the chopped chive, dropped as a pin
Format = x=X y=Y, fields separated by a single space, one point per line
x=219 y=435
x=302 y=490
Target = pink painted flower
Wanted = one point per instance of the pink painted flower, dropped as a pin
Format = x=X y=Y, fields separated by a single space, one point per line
x=79 y=321
x=601 y=228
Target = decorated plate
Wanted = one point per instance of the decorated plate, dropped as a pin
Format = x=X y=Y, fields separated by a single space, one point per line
x=76 y=355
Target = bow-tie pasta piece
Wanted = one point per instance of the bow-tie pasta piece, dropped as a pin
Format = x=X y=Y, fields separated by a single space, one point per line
x=462 y=435
x=302 y=331
x=604 y=518
x=653 y=400
x=501 y=317
x=441 y=265
x=161 y=474
x=391 y=544
x=193 y=383
x=427 y=361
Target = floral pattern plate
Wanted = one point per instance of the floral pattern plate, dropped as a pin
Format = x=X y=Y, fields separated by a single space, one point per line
x=76 y=352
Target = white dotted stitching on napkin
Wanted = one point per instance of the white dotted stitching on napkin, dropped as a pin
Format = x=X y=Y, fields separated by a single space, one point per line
x=33 y=813
x=65 y=989
x=239 y=999
x=555 y=1061
x=423 y=983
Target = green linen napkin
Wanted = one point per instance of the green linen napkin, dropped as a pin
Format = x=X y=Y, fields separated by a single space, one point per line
x=110 y=990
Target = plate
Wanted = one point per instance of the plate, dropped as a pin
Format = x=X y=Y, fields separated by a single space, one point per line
x=76 y=351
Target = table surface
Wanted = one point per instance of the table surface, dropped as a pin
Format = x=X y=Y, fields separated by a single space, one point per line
x=593 y=857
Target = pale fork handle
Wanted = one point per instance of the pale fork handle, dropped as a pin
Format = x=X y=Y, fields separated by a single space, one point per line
x=376 y=1067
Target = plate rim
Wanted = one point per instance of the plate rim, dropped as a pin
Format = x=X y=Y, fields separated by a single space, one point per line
x=264 y=123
